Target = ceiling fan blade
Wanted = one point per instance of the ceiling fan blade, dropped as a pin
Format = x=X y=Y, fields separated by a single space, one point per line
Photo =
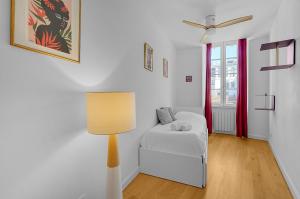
x=196 y=25
x=234 y=21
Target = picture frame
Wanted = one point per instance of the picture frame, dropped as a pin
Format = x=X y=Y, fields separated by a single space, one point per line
x=148 y=57
x=165 y=68
x=49 y=27
x=189 y=79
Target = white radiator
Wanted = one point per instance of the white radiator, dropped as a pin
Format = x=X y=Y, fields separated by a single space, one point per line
x=224 y=119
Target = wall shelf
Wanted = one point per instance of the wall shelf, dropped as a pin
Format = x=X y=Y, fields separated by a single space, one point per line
x=291 y=53
x=278 y=44
x=266 y=68
x=264 y=109
x=267 y=102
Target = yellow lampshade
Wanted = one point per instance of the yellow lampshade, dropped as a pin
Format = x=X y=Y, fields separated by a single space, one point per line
x=110 y=113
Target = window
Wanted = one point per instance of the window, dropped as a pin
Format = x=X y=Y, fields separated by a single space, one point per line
x=224 y=61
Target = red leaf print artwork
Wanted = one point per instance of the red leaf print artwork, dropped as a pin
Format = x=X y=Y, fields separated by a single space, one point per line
x=50 y=24
x=49 y=5
x=64 y=9
x=48 y=40
x=30 y=21
x=40 y=12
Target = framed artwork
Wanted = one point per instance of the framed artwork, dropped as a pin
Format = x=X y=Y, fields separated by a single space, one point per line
x=148 y=57
x=165 y=68
x=50 y=27
x=189 y=79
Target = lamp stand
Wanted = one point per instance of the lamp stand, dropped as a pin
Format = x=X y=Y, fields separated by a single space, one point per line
x=114 y=187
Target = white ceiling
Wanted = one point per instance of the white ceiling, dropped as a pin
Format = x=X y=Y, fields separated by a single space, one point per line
x=170 y=13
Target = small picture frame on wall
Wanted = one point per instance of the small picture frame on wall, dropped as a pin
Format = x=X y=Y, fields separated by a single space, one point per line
x=165 y=68
x=49 y=27
x=148 y=57
x=189 y=79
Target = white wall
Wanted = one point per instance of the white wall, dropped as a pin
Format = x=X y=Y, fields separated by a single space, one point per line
x=188 y=62
x=258 y=84
x=284 y=122
x=45 y=150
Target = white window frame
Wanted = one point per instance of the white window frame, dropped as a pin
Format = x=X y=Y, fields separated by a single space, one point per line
x=223 y=73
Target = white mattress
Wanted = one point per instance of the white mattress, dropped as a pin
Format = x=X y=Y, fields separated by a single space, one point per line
x=190 y=143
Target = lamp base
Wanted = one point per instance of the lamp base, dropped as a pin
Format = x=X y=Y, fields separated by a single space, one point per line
x=114 y=186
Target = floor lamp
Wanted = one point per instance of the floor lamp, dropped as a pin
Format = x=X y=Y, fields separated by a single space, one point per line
x=111 y=114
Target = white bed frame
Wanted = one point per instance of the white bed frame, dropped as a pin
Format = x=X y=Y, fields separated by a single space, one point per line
x=180 y=168
x=184 y=169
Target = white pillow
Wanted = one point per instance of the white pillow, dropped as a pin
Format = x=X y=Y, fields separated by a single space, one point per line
x=164 y=116
x=170 y=111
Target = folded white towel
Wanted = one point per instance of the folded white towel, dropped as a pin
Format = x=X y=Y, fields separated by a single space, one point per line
x=173 y=127
x=181 y=126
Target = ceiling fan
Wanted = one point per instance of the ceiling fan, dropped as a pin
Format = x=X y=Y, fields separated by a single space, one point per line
x=210 y=27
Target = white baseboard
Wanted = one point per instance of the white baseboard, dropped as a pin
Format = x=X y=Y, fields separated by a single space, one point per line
x=252 y=136
x=129 y=178
x=258 y=137
x=290 y=183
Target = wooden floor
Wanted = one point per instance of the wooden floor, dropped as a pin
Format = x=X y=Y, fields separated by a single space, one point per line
x=237 y=169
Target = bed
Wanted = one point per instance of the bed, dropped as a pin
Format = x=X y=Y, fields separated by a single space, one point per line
x=180 y=156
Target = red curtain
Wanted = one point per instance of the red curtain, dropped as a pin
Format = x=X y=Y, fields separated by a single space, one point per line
x=241 y=107
x=208 y=111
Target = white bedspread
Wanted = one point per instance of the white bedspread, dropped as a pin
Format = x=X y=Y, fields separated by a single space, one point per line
x=191 y=143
